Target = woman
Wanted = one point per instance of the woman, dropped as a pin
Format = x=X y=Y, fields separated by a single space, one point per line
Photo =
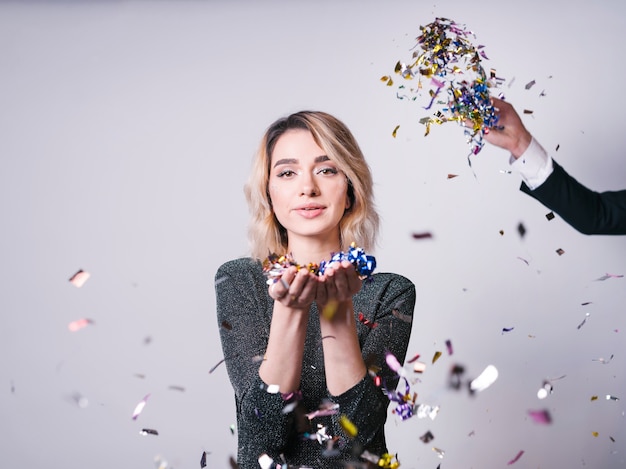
x=302 y=343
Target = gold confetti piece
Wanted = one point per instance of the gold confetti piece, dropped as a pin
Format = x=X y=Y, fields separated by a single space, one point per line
x=594 y=398
x=395 y=131
x=329 y=310
x=595 y=434
x=79 y=278
x=439 y=452
x=501 y=232
x=385 y=78
x=348 y=426
x=436 y=356
x=550 y=215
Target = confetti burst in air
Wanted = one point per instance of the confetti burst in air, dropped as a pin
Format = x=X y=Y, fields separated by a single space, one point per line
x=449 y=67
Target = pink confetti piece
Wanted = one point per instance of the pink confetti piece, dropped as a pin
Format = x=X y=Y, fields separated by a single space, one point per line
x=540 y=416
x=140 y=406
x=394 y=364
x=608 y=276
x=516 y=458
x=449 y=346
x=79 y=278
x=324 y=410
x=79 y=324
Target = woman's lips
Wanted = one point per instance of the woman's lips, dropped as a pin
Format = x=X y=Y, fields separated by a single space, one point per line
x=310 y=211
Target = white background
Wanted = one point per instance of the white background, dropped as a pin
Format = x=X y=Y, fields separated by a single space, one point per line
x=126 y=135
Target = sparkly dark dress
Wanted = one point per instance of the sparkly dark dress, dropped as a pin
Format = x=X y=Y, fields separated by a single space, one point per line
x=265 y=424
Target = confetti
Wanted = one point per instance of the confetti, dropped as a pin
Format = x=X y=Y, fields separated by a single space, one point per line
x=425 y=410
x=452 y=176
x=436 y=356
x=394 y=364
x=265 y=461
x=550 y=216
x=545 y=390
x=521 y=229
x=148 y=431
x=203 y=459
x=402 y=317
x=611 y=398
x=485 y=379
x=174 y=387
x=226 y=325
x=326 y=408
x=275 y=265
x=427 y=437
x=395 y=131
x=367 y=322
x=595 y=434
x=449 y=346
x=560 y=252
x=516 y=458
x=79 y=278
x=540 y=416
x=583 y=322
x=608 y=276
x=603 y=360
x=425 y=235
x=419 y=367
x=348 y=426
x=530 y=84
x=216 y=365
x=272 y=388
x=507 y=329
x=440 y=452
x=79 y=324
x=140 y=406
x=449 y=69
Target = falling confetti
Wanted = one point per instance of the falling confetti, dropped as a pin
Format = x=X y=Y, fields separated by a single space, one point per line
x=395 y=131
x=425 y=235
x=583 y=321
x=516 y=458
x=79 y=278
x=449 y=346
x=348 y=426
x=366 y=322
x=485 y=379
x=436 y=356
x=148 y=431
x=427 y=437
x=140 y=406
x=550 y=215
x=560 y=252
x=540 y=416
x=79 y=324
x=608 y=276
x=203 y=459
x=507 y=329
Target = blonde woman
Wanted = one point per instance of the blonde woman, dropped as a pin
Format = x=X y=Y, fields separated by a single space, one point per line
x=303 y=393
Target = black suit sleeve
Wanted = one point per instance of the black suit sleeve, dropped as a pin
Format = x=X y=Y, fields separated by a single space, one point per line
x=587 y=211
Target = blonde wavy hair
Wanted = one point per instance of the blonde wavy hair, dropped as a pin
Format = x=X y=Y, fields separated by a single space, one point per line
x=360 y=222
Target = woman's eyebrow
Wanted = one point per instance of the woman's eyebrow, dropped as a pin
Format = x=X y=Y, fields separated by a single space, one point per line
x=318 y=159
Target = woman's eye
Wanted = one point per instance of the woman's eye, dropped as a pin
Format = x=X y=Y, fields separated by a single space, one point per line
x=328 y=171
x=286 y=173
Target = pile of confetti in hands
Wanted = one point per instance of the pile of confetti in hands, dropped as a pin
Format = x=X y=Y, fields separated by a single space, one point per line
x=275 y=265
x=448 y=66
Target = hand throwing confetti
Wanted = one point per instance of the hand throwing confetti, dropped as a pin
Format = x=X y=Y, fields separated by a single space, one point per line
x=449 y=67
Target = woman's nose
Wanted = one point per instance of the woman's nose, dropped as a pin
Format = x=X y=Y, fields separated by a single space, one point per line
x=309 y=186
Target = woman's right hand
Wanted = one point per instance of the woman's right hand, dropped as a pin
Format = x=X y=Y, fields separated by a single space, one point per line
x=295 y=289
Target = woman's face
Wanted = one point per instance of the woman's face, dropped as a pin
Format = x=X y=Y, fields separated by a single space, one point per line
x=309 y=193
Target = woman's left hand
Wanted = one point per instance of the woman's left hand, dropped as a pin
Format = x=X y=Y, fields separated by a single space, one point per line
x=339 y=283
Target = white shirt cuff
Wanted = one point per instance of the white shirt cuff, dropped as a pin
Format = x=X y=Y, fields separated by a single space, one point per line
x=534 y=165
